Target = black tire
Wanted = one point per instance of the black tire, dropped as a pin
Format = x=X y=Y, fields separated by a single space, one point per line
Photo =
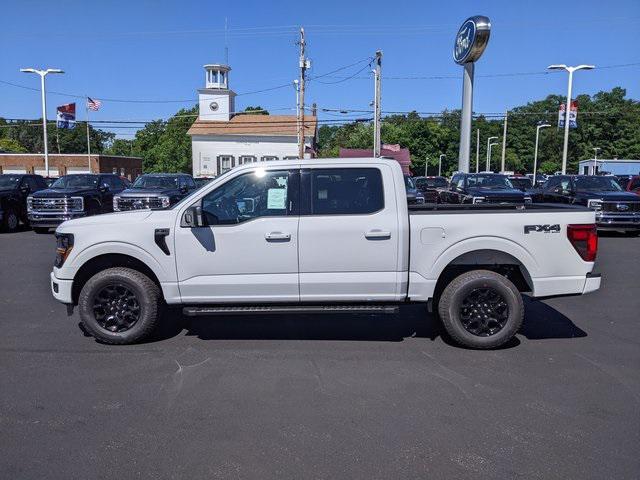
x=476 y=323
x=107 y=326
x=10 y=220
x=41 y=230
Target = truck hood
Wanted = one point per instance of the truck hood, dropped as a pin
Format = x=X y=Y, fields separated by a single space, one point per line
x=118 y=218
x=502 y=193
x=149 y=192
x=607 y=196
x=64 y=192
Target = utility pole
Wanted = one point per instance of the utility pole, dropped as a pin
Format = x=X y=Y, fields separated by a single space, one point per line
x=440 y=164
x=304 y=65
x=489 y=152
x=535 y=151
x=377 y=117
x=504 y=138
x=477 y=150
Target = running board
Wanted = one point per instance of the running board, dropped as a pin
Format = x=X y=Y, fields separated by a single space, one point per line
x=271 y=309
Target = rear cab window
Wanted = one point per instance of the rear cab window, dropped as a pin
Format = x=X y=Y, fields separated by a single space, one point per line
x=345 y=191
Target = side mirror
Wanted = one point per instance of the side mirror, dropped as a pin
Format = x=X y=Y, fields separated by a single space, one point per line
x=192 y=217
x=25 y=189
x=183 y=189
x=103 y=188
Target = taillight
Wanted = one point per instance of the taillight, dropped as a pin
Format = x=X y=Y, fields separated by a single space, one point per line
x=584 y=239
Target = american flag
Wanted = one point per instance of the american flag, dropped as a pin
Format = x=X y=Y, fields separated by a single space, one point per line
x=93 y=104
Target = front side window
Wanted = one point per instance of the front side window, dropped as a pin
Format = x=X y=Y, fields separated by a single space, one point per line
x=252 y=195
x=344 y=191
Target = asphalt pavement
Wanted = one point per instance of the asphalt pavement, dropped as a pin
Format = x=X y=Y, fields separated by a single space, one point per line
x=322 y=397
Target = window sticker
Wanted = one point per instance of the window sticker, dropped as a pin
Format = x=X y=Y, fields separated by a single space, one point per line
x=276 y=198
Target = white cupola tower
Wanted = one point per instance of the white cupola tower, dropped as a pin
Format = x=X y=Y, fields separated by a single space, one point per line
x=216 y=101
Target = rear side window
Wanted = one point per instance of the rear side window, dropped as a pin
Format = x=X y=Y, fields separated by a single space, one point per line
x=346 y=191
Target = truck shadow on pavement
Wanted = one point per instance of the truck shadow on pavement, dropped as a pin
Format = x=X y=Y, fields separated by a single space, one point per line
x=541 y=322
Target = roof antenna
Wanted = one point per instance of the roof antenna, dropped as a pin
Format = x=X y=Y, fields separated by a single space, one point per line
x=226 y=42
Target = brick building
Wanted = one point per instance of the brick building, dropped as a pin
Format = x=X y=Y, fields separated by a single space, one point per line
x=401 y=155
x=63 y=164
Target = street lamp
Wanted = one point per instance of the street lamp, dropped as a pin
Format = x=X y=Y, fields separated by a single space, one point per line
x=488 y=155
x=489 y=152
x=567 y=108
x=535 y=152
x=440 y=164
x=43 y=73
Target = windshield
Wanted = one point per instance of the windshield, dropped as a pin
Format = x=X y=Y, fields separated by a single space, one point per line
x=408 y=182
x=521 y=182
x=496 y=182
x=76 y=181
x=9 y=181
x=431 y=182
x=152 y=181
x=604 y=184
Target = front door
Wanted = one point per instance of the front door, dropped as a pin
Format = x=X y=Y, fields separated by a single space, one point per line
x=349 y=234
x=248 y=249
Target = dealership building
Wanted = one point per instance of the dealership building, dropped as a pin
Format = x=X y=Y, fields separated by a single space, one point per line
x=69 y=163
x=614 y=166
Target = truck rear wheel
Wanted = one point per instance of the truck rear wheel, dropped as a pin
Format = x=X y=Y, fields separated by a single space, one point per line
x=481 y=309
x=10 y=222
x=120 y=306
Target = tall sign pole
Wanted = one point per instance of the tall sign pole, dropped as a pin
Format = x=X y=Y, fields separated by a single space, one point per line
x=471 y=40
x=377 y=114
x=504 y=140
x=477 y=150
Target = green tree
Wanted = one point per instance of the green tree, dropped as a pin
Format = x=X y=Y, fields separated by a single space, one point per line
x=11 y=145
x=258 y=110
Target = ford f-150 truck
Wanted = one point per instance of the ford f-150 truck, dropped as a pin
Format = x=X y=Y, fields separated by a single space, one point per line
x=321 y=235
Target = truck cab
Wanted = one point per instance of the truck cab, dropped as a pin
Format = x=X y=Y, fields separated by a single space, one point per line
x=14 y=190
x=320 y=235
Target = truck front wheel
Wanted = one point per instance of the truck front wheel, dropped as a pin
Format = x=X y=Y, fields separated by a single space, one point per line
x=481 y=309
x=120 y=306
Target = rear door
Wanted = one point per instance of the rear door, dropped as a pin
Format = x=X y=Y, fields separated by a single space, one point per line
x=349 y=234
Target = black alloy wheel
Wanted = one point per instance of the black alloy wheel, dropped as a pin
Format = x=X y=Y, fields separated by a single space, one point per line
x=116 y=308
x=484 y=312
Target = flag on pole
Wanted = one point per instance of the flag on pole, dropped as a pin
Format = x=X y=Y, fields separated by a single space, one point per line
x=93 y=104
x=66 y=116
x=573 y=115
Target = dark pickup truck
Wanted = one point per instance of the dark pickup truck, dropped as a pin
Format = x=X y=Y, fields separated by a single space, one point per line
x=72 y=196
x=615 y=208
x=482 y=188
x=431 y=187
x=14 y=189
x=154 y=191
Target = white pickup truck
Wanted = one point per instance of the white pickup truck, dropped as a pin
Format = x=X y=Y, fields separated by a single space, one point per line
x=321 y=235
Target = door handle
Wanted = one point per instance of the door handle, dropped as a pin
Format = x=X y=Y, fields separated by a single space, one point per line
x=277 y=236
x=377 y=235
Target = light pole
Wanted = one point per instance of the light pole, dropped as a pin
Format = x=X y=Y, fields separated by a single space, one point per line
x=440 y=164
x=535 y=152
x=488 y=154
x=43 y=73
x=595 y=158
x=489 y=160
x=567 y=107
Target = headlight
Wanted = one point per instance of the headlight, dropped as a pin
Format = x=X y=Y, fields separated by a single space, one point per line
x=76 y=204
x=478 y=200
x=164 y=201
x=116 y=208
x=527 y=199
x=64 y=245
x=29 y=203
x=595 y=204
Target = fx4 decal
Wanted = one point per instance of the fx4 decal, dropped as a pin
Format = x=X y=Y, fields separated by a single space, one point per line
x=542 y=228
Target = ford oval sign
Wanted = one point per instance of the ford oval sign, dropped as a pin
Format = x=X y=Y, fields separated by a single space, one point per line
x=471 y=40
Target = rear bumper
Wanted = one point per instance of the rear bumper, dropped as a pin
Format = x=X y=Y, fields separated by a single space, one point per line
x=592 y=283
x=550 y=287
x=52 y=219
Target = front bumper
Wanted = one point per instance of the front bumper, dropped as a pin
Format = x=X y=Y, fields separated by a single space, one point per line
x=618 y=221
x=52 y=219
x=62 y=289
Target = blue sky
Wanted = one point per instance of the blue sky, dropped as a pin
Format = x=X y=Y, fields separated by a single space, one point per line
x=154 y=50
